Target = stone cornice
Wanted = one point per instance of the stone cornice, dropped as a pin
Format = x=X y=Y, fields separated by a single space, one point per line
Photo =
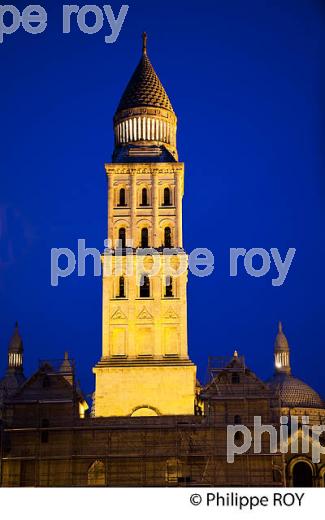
x=144 y=168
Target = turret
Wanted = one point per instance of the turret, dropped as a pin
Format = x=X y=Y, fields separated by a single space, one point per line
x=281 y=352
x=15 y=352
x=14 y=376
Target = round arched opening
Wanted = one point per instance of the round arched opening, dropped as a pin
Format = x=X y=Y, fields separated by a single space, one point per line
x=144 y=411
x=302 y=475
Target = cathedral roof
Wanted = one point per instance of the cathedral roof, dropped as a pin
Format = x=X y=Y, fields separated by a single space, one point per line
x=293 y=392
x=145 y=88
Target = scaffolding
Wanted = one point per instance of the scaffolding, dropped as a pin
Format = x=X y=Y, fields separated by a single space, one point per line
x=68 y=450
x=161 y=453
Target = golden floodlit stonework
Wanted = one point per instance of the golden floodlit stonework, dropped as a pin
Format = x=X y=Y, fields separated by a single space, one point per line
x=152 y=423
x=145 y=368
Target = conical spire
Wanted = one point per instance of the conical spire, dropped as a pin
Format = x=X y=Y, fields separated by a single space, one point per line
x=15 y=350
x=144 y=88
x=145 y=123
x=66 y=369
x=16 y=342
x=281 y=352
x=66 y=364
x=281 y=342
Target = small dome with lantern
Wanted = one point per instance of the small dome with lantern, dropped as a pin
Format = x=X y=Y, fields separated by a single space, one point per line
x=291 y=391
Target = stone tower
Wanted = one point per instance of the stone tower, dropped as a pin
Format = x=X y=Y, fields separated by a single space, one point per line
x=145 y=368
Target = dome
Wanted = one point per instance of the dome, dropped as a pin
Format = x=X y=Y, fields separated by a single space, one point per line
x=293 y=392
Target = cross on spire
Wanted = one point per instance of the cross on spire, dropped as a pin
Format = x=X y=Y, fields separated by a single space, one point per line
x=144 y=43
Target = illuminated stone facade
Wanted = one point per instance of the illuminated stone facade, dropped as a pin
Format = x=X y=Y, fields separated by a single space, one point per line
x=145 y=368
x=153 y=424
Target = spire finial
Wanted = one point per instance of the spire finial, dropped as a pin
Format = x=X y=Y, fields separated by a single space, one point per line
x=144 y=43
x=235 y=354
x=280 y=326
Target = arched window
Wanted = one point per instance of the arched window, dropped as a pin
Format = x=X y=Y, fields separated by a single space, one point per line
x=14 y=359
x=144 y=197
x=237 y=419
x=167 y=198
x=144 y=286
x=144 y=237
x=122 y=237
x=96 y=474
x=122 y=199
x=169 y=287
x=302 y=475
x=144 y=411
x=121 y=293
x=235 y=379
x=167 y=237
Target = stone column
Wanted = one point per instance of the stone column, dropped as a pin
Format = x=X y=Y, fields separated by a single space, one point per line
x=110 y=182
x=155 y=205
x=133 y=209
x=179 y=196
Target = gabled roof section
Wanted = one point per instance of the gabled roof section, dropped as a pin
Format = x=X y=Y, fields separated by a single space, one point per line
x=50 y=384
x=235 y=380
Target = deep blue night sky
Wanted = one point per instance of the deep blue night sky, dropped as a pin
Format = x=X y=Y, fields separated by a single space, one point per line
x=247 y=83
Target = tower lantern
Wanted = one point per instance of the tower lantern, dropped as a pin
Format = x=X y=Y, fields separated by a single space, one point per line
x=15 y=352
x=281 y=352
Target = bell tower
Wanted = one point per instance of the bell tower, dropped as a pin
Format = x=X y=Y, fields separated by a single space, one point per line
x=145 y=368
